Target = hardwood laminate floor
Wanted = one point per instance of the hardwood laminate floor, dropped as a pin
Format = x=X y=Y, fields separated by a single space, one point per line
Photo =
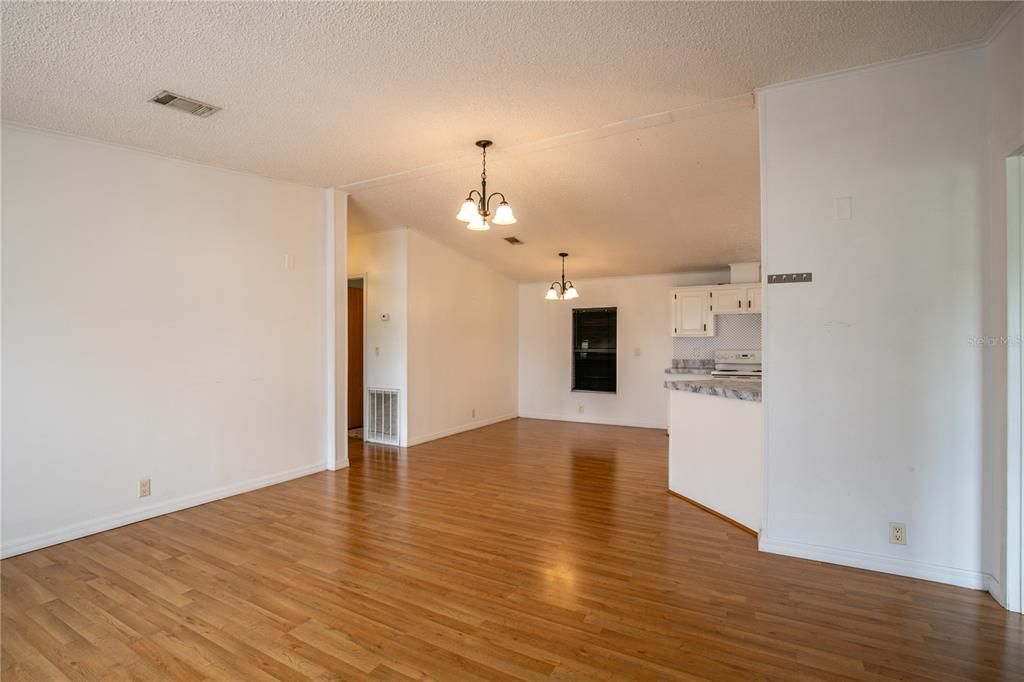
x=523 y=550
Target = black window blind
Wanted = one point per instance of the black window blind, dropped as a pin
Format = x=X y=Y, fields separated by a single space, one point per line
x=593 y=349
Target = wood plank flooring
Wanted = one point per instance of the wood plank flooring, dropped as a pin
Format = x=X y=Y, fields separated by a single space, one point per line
x=524 y=550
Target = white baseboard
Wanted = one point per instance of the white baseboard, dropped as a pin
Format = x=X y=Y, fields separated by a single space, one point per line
x=40 y=540
x=591 y=420
x=995 y=588
x=975 y=580
x=419 y=440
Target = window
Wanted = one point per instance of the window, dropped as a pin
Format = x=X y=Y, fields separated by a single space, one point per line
x=593 y=349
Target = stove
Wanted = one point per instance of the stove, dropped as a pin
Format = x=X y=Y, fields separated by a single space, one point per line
x=738 y=364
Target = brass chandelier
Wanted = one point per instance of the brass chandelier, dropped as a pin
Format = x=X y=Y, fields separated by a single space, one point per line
x=476 y=209
x=564 y=290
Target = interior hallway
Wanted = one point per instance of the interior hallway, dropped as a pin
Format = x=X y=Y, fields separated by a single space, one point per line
x=523 y=550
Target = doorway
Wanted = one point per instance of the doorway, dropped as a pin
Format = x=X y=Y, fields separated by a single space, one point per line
x=356 y=331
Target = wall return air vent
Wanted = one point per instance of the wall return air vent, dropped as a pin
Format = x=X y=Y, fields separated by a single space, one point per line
x=189 y=106
x=382 y=416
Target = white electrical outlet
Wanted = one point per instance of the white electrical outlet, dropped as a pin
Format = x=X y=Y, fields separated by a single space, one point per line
x=580 y=407
x=473 y=413
x=144 y=488
x=897 y=533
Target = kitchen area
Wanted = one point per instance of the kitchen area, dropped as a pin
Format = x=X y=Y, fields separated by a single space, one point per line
x=714 y=384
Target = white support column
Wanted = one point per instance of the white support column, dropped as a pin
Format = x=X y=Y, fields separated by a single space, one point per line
x=336 y=282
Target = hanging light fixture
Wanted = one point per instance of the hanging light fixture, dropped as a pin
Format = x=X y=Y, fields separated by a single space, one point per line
x=476 y=209
x=564 y=290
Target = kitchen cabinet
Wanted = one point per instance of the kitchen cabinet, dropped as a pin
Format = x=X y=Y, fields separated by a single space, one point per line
x=754 y=299
x=728 y=300
x=694 y=308
x=691 y=312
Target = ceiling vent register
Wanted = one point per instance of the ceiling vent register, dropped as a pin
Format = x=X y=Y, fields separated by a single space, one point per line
x=189 y=106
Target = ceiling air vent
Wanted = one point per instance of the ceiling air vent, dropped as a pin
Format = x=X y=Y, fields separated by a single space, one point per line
x=514 y=241
x=189 y=106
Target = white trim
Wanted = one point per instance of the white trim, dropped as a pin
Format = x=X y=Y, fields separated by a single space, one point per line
x=762 y=140
x=338 y=225
x=591 y=420
x=853 y=71
x=33 y=542
x=365 y=276
x=460 y=429
x=1013 y=525
x=993 y=587
x=1002 y=22
x=975 y=580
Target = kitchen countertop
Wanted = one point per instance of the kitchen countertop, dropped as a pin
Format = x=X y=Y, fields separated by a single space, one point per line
x=737 y=389
x=691 y=367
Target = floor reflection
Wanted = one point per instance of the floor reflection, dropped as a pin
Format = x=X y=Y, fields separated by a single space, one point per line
x=593 y=495
x=378 y=460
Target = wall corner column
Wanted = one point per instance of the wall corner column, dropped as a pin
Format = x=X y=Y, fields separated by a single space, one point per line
x=336 y=281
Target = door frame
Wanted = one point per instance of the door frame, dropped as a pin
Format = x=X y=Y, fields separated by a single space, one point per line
x=366 y=285
x=1013 y=512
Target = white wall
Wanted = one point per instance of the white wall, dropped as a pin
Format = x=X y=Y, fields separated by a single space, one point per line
x=462 y=342
x=384 y=258
x=1005 y=57
x=873 y=390
x=714 y=455
x=161 y=319
x=644 y=349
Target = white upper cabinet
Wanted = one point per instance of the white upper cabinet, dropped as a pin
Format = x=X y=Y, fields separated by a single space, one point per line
x=691 y=312
x=694 y=308
x=728 y=300
x=754 y=299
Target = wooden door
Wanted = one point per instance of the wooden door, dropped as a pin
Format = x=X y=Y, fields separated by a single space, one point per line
x=355 y=357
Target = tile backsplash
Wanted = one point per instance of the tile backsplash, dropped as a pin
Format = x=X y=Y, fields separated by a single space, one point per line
x=732 y=332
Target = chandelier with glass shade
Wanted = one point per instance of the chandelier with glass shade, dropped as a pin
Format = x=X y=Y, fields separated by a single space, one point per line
x=476 y=209
x=564 y=290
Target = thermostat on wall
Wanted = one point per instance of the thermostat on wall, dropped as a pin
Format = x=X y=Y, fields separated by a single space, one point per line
x=384 y=317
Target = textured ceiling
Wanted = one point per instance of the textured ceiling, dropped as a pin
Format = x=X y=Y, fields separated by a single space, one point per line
x=679 y=193
x=338 y=94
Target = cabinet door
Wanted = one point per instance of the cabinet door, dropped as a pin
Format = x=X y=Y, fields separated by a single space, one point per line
x=728 y=301
x=690 y=316
x=754 y=300
x=675 y=313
